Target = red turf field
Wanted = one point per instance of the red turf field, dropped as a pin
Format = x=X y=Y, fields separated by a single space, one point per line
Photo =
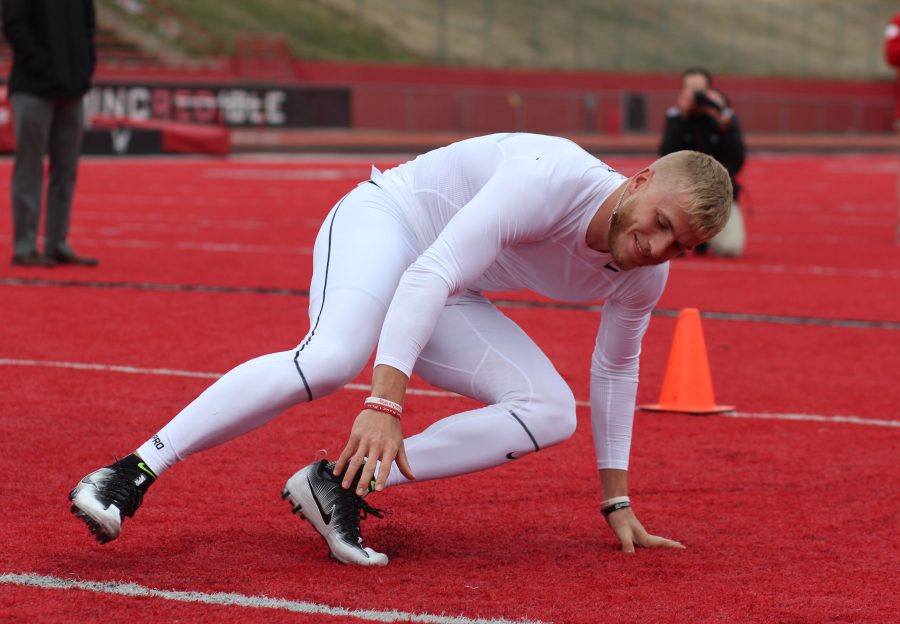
x=789 y=514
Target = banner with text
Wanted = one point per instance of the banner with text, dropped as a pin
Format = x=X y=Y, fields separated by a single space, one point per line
x=231 y=105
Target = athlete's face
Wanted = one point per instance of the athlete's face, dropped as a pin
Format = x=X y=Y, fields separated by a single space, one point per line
x=650 y=226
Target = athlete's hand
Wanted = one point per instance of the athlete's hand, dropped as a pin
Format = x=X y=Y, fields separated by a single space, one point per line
x=375 y=436
x=632 y=534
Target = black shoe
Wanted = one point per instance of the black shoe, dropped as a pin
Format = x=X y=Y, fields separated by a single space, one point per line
x=73 y=258
x=103 y=498
x=334 y=512
x=33 y=260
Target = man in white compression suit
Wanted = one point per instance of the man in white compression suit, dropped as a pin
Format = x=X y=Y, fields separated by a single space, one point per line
x=400 y=264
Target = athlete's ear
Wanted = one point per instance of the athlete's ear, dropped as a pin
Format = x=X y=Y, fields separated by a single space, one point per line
x=641 y=177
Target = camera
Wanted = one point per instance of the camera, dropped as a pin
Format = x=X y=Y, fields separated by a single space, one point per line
x=701 y=100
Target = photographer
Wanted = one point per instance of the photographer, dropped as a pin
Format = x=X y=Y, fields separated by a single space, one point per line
x=702 y=120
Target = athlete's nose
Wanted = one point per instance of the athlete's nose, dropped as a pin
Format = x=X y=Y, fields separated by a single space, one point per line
x=659 y=245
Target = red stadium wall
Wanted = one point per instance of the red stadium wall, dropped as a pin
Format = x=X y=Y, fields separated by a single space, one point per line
x=441 y=98
x=416 y=98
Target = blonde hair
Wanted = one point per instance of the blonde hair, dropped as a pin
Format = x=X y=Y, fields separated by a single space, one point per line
x=707 y=185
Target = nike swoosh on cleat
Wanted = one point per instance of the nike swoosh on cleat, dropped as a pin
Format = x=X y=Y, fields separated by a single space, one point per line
x=326 y=516
x=512 y=455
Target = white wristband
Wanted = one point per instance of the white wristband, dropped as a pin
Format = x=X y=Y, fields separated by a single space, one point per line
x=386 y=403
x=614 y=500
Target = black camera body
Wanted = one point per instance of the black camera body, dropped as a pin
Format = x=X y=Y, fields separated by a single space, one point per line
x=701 y=100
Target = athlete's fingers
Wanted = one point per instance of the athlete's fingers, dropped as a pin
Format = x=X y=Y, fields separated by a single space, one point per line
x=621 y=524
x=655 y=541
x=665 y=542
x=348 y=451
x=639 y=535
x=367 y=472
x=625 y=537
x=625 y=534
x=403 y=463
x=384 y=469
x=356 y=461
x=643 y=539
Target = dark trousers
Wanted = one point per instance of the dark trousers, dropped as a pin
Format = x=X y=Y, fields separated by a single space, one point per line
x=52 y=127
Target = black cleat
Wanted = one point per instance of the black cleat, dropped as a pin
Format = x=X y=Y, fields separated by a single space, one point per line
x=103 y=498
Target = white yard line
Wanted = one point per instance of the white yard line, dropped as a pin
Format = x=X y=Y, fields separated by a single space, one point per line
x=242 y=600
x=169 y=372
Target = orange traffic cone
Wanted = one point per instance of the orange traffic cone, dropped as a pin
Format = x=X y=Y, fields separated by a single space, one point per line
x=687 y=385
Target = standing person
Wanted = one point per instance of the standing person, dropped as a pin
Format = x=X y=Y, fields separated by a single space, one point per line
x=703 y=120
x=401 y=263
x=53 y=62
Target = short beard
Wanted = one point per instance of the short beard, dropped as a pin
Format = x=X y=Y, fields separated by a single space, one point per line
x=618 y=225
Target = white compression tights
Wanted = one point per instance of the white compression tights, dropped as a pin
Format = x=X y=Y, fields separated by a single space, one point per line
x=475 y=351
